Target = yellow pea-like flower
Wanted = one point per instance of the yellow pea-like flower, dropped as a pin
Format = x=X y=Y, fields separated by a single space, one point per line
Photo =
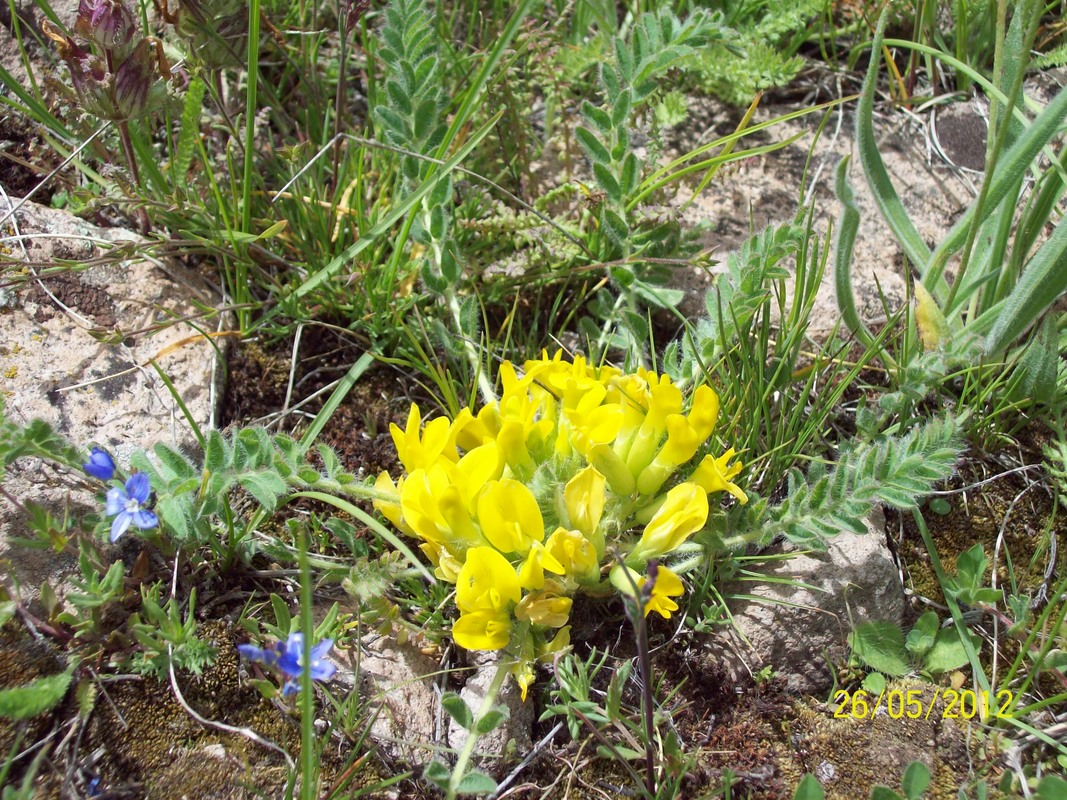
x=482 y=630
x=704 y=412
x=577 y=555
x=388 y=502
x=532 y=572
x=487 y=588
x=542 y=608
x=667 y=586
x=509 y=516
x=666 y=400
x=421 y=449
x=681 y=445
x=715 y=475
x=584 y=497
x=559 y=643
x=684 y=511
x=512 y=443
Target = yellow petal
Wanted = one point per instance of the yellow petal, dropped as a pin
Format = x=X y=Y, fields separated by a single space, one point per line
x=509 y=516
x=682 y=514
x=576 y=554
x=584 y=498
x=714 y=475
x=482 y=630
x=487 y=582
x=541 y=608
x=532 y=573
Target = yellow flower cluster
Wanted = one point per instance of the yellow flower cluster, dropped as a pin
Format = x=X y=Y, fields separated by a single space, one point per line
x=542 y=495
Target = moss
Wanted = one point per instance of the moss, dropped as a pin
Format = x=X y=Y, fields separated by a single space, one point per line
x=852 y=755
x=24 y=659
x=154 y=745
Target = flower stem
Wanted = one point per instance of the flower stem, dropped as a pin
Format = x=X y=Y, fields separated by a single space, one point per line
x=131 y=161
x=307 y=693
x=472 y=737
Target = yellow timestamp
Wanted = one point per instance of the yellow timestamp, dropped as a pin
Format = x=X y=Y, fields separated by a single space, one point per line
x=913 y=704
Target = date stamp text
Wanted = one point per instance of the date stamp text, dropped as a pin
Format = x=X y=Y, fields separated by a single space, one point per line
x=919 y=704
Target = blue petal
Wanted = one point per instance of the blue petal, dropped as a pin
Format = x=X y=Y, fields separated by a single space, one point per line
x=116 y=501
x=138 y=487
x=252 y=653
x=99 y=465
x=120 y=524
x=290 y=687
x=289 y=662
x=323 y=670
x=145 y=519
x=321 y=649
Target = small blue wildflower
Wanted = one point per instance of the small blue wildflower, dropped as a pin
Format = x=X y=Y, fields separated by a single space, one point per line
x=127 y=504
x=99 y=465
x=288 y=657
x=268 y=656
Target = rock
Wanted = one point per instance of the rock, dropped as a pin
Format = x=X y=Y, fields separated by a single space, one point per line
x=801 y=632
x=397 y=683
x=76 y=350
x=509 y=740
x=763 y=190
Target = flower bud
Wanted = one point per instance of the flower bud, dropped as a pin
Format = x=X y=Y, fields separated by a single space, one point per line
x=109 y=24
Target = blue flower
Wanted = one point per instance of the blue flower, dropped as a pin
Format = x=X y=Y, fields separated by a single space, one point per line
x=268 y=656
x=127 y=504
x=99 y=465
x=289 y=657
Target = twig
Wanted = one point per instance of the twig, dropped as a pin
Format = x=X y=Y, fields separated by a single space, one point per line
x=248 y=733
x=536 y=751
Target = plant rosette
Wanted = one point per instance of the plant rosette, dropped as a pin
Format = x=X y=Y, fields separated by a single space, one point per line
x=574 y=481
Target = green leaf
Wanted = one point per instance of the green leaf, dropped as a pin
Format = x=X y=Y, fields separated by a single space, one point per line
x=1043 y=280
x=7 y=611
x=922 y=636
x=916 y=779
x=173 y=464
x=1038 y=367
x=884 y=793
x=438 y=226
x=884 y=193
x=631 y=174
x=614 y=226
x=621 y=110
x=809 y=788
x=880 y=645
x=36 y=697
x=596 y=150
x=437 y=774
x=476 y=782
x=1051 y=788
x=457 y=708
x=624 y=60
x=949 y=652
x=874 y=683
x=600 y=119
x=282 y=618
x=425 y=119
x=265 y=487
x=491 y=720
x=190 y=131
x=607 y=181
x=215 y=452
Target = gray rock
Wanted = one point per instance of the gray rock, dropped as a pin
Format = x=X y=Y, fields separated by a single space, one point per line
x=76 y=350
x=800 y=631
x=508 y=741
x=397 y=682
